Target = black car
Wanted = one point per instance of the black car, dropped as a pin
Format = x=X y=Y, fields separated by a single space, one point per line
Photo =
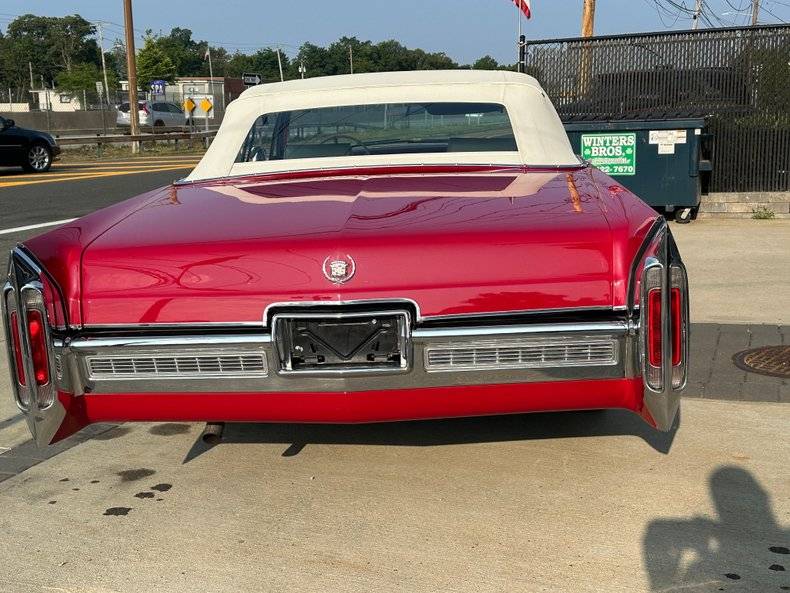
x=29 y=149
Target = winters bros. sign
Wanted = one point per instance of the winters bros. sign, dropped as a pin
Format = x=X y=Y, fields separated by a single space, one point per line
x=614 y=154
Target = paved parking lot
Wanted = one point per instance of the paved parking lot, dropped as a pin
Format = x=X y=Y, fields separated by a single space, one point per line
x=550 y=502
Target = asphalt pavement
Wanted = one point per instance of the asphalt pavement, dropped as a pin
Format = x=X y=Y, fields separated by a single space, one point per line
x=70 y=190
x=583 y=502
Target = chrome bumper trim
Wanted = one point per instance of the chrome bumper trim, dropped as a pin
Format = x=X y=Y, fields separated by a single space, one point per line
x=76 y=355
x=520 y=354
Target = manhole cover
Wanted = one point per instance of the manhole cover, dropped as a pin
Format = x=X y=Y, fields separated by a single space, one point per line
x=768 y=360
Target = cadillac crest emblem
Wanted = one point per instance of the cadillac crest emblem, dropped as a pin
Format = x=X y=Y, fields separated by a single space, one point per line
x=339 y=268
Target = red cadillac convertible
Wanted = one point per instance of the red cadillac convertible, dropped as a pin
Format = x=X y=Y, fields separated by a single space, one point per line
x=360 y=248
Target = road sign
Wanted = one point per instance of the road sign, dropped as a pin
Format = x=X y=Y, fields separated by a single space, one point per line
x=158 y=87
x=100 y=88
x=206 y=105
x=189 y=105
x=251 y=78
x=613 y=153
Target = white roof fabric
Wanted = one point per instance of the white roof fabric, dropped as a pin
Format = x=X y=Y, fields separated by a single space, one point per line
x=540 y=137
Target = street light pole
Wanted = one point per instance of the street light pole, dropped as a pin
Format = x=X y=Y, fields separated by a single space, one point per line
x=131 y=68
x=280 y=65
x=103 y=62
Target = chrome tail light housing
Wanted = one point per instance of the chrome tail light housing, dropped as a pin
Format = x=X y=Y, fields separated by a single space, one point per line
x=32 y=307
x=663 y=298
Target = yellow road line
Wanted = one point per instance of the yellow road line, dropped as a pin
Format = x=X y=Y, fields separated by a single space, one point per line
x=55 y=169
x=83 y=172
x=23 y=179
x=97 y=175
x=191 y=158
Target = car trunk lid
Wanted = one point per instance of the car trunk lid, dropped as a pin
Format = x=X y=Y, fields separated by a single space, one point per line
x=453 y=243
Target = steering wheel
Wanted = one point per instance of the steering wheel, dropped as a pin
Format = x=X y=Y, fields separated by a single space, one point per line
x=356 y=141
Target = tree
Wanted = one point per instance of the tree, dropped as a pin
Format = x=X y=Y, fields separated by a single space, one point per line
x=153 y=64
x=70 y=40
x=486 y=63
x=185 y=53
x=83 y=77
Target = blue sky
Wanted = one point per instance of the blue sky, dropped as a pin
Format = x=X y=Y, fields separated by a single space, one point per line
x=464 y=29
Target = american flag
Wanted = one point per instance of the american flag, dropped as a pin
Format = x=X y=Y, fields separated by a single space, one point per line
x=524 y=5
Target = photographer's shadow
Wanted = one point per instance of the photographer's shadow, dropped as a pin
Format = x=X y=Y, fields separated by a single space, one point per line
x=743 y=549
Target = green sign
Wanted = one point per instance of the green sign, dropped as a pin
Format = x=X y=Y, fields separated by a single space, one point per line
x=614 y=154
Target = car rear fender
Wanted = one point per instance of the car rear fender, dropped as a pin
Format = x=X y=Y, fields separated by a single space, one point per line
x=660 y=299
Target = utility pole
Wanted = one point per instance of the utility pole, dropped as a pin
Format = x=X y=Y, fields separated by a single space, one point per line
x=588 y=18
x=755 y=11
x=697 y=13
x=280 y=65
x=103 y=62
x=131 y=70
x=585 y=64
x=522 y=48
x=351 y=58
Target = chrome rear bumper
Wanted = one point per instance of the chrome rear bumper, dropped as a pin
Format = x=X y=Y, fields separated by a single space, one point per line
x=436 y=357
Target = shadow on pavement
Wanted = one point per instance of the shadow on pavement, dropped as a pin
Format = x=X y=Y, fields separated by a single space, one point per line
x=430 y=433
x=743 y=549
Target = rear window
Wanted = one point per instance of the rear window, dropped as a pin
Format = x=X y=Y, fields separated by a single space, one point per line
x=124 y=107
x=380 y=129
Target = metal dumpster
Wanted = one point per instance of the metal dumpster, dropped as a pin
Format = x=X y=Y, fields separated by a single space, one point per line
x=660 y=161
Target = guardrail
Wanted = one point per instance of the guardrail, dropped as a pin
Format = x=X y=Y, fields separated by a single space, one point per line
x=127 y=138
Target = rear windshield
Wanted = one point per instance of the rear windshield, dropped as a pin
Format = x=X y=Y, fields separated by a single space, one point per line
x=124 y=107
x=392 y=128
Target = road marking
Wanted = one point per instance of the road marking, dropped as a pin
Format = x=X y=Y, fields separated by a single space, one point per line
x=30 y=227
x=85 y=171
x=95 y=175
x=136 y=162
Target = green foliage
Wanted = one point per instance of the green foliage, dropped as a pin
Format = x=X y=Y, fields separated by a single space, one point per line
x=83 y=77
x=52 y=45
x=263 y=62
x=386 y=56
x=486 y=63
x=64 y=50
x=153 y=64
x=763 y=213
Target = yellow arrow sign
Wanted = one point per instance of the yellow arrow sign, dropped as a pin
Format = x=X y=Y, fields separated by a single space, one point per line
x=189 y=105
x=206 y=105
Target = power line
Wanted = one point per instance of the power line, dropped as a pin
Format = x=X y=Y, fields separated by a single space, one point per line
x=764 y=9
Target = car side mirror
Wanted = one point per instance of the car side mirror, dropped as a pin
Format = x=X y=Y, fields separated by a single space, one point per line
x=9 y=123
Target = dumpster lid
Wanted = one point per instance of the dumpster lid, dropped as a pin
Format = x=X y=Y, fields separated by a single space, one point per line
x=634 y=124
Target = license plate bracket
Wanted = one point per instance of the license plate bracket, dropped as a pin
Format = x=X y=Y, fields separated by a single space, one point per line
x=342 y=343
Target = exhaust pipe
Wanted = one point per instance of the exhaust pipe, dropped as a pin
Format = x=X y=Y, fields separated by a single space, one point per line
x=212 y=434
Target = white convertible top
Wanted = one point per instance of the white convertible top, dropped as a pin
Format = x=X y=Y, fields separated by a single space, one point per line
x=539 y=134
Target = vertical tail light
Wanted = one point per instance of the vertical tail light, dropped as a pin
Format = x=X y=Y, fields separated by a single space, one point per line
x=659 y=325
x=16 y=349
x=36 y=332
x=679 y=324
x=654 y=341
x=653 y=323
x=33 y=307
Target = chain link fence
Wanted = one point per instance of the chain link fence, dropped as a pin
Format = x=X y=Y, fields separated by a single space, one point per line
x=88 y=111
x=738 y=79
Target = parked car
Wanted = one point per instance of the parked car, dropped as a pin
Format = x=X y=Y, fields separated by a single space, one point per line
x=32 y=150
x=157 y=113
x=359 y=248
